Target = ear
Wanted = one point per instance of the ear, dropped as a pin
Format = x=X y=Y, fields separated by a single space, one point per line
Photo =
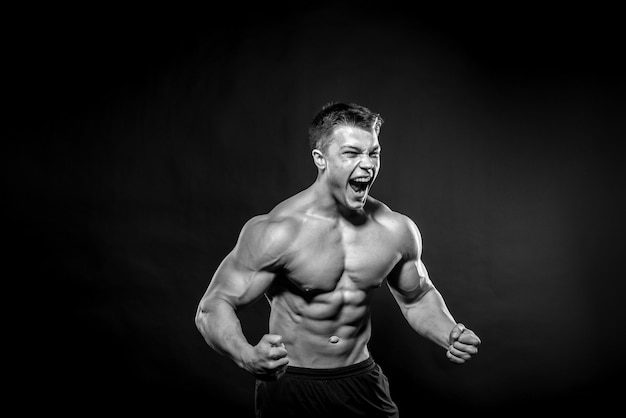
x=318 y=159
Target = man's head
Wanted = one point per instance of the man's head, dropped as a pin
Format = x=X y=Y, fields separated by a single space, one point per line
x=333 y=115
x=345 y=149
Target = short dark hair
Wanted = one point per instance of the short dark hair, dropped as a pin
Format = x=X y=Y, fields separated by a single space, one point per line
x=336 y=114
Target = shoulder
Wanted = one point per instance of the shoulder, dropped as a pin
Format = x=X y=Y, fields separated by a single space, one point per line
x=400 y=225
x=274 y=232
x=399 y=222
x=269 y=232
x=263 y=241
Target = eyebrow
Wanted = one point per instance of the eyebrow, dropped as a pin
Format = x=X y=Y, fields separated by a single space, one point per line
x=355 y=148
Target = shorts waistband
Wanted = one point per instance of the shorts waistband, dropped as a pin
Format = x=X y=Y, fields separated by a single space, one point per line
x=334 y=373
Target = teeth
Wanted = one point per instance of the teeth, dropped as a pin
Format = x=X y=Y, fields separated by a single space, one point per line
x=361 y=180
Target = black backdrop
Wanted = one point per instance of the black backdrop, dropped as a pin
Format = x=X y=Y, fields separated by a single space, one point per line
x=137 y=148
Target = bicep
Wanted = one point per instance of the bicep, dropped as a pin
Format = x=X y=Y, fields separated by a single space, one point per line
x=409 y=281
x=237 y=283
x=249 y=270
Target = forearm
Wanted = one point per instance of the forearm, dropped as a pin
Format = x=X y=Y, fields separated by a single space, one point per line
x=430 y=317
x=218 y=323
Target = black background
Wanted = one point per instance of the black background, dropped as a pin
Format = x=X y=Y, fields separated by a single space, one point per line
x=137 y=145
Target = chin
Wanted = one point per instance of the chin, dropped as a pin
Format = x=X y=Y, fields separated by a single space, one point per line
x=356 y=204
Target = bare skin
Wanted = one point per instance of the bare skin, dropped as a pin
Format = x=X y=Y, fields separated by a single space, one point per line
x=318 y=257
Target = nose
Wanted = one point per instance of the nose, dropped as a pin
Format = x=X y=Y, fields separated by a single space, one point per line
x=367 y=163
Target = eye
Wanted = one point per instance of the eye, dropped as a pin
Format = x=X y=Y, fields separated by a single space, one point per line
x=375 y=154
x=350 y=153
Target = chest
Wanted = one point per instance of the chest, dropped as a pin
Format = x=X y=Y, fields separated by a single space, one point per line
x=321 y=256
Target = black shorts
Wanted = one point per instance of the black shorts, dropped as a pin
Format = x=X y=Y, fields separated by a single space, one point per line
x=359 y=390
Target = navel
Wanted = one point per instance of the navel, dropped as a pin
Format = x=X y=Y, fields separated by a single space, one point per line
x=333 y=339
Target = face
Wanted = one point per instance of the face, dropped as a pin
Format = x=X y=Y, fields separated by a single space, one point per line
x=352 y=161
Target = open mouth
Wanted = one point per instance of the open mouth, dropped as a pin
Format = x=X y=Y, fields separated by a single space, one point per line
x=359 y=184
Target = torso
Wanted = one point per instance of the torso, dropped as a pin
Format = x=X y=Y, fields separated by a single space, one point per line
x=320 y=299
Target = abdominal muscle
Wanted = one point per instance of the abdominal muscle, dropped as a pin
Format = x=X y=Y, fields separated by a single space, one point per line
x=326 y=330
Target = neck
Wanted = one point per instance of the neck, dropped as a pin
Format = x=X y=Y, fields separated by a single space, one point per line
x=326 y=205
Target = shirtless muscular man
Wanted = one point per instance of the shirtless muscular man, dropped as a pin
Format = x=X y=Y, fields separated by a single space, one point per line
x=317 y=257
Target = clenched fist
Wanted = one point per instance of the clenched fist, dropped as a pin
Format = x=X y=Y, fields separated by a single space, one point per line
x=463 y=344
x=268 y=359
